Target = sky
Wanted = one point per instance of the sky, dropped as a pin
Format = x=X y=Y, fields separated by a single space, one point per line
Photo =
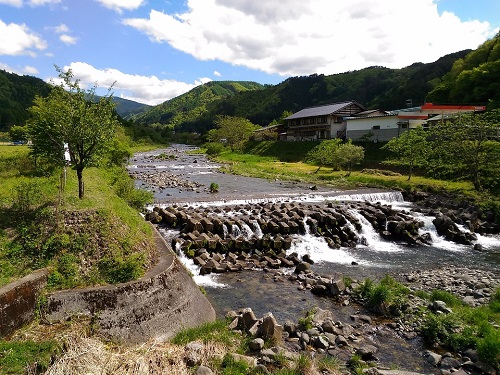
x=150 y=51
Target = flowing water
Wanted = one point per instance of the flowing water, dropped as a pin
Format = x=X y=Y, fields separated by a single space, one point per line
x=373 y=257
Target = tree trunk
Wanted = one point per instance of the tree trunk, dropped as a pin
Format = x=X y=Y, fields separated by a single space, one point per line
x=81 y=189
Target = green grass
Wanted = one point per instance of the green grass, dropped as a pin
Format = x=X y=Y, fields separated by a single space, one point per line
x=32 y=236
x=264 y=160
x=16 y=356
x=217 y=331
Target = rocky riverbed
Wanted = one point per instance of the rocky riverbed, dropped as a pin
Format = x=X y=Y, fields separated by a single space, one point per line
x=261 y=235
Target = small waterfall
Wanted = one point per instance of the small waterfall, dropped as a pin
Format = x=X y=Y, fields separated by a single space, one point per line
x=438 y=241
x=306 y=226
x=319 y=251
x=257 y=231
x=390 y=196
x=373 y=239
x=235 y=230
x=246 y=231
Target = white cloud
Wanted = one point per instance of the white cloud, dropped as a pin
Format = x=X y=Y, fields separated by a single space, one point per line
x=294 y=37
x=33 y=3
x=144 y=89
x=120 y=5
x=217 y=74
x=68 y=39
x=14 y=3
x=18 y=39
x=30 y=70
x=62 y=28
x=36 y=3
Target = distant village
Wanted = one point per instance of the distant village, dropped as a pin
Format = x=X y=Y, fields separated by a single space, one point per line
x=351 y=120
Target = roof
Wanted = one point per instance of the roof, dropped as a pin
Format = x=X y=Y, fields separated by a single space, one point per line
x=323 y=110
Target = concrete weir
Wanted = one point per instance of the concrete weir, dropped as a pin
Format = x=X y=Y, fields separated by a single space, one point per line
x=157 y=306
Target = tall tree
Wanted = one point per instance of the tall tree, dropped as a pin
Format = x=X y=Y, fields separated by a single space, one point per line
x=74 y=117
x=234 y=131
x=349 y=154
x=325 y=154
x=411 y=148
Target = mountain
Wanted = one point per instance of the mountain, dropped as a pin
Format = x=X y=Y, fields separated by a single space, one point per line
x=194 y=104
x=473 y=79
x=374 y=87
x=16 y=95
x=126 y=108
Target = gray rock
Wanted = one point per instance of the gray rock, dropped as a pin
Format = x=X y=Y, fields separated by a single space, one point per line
x=449 y=363
x=203 y=370
x=433 y=358
x=341 y=341
x=367 y=352
x=250 y=361
x=320 y=342
x=256 y=344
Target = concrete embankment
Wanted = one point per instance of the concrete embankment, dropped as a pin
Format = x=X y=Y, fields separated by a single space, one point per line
x=157 y=306
x=18 y=301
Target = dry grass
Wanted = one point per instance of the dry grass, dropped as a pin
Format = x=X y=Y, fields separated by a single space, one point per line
x=83 y=353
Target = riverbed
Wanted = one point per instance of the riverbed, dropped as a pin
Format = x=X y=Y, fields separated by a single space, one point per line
x=179 y=178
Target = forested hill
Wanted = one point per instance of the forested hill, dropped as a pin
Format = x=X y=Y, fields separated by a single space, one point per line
x=374 y=87
x=16 y=95
x=191 y=106
x=126 y=108
x=475 y=79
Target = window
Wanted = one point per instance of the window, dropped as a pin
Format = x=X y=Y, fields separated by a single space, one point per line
x=376 y=127
x=404 y=126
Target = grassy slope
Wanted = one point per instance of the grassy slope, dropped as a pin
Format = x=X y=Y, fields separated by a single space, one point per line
x=122 y=225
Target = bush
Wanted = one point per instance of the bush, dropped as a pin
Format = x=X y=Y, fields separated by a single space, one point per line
x=447 y=297
x=125 y=188
x=388 y=296
x=121 y=270
x=214 y=148
x=214 y=188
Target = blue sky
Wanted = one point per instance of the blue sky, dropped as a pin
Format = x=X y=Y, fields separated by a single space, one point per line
x=155 y=50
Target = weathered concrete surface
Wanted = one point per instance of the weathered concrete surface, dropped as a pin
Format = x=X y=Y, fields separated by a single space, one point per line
x=159 y=305
x=18 y=301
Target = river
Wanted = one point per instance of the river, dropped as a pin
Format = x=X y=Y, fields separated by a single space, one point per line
x=258 y=289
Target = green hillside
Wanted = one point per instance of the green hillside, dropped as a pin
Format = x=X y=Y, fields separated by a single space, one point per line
x=191 y=106
x=474 y=79
x=16 y=95
x=126 y=108
x=374 y=87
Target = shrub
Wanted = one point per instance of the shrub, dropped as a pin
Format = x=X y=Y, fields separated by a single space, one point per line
x=120 y=270
x=447 y=297
x=214 y=188
x=388 y=296
x=214 y=148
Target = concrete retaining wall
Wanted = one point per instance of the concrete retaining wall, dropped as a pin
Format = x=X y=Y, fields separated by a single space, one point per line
x=157 y=306
x=18 y=301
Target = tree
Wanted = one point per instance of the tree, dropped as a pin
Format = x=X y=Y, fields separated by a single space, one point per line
x=325 y=154
x=74 y=117
x=233 y=131
x=468 y=145
x=411 y=148
x=18 y=133
x=349 y=154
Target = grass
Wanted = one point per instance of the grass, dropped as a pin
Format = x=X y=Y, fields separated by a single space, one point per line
x=217 y=331
x=15 y=356
x=116 y=242
x=283 y=161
